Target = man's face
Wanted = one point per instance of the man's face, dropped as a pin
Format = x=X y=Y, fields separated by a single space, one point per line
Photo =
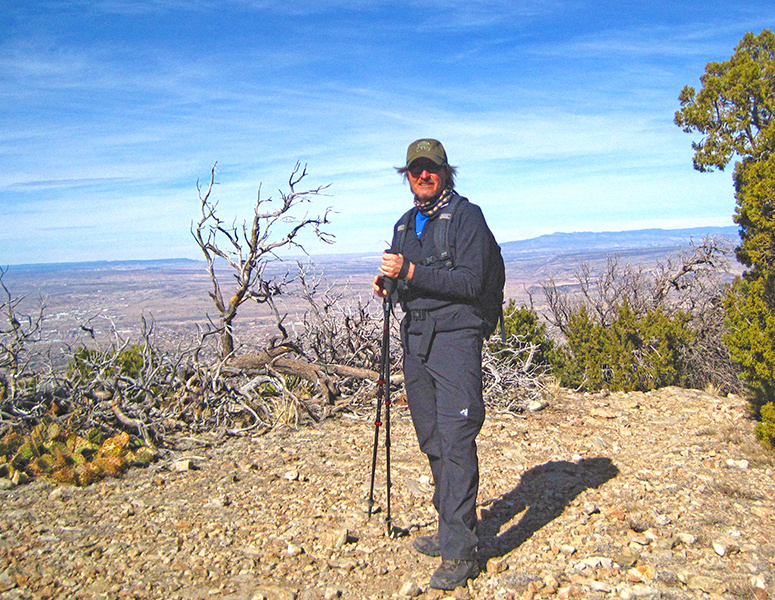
x=426 y=179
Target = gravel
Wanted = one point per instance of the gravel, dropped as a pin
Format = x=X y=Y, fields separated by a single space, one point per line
x=657 y=495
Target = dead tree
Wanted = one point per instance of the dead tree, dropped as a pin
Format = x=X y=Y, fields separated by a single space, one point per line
x=18 y=332
x=687 y=281
x=338 y=330
x=512 y=381
x=250 y=250
x=691 y=281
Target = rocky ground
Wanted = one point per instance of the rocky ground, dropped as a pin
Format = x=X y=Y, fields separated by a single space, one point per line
x=658 y=495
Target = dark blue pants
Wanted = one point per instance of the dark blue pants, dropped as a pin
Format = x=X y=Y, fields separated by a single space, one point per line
x=444 y=392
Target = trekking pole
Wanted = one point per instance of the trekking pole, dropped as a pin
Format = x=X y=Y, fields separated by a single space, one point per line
x=385 y=381
x=377 y=425
x=383 y=394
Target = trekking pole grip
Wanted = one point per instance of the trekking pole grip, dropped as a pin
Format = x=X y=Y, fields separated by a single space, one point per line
x=388 y=284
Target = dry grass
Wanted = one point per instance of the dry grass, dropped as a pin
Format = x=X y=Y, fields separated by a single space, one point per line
x=735 y=492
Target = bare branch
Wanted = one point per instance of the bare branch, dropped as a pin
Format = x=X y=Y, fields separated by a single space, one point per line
x=249 y=251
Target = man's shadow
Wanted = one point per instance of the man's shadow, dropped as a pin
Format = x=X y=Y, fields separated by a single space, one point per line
x=543 y=493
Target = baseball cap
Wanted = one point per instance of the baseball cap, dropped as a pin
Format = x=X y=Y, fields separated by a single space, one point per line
x=426 y=148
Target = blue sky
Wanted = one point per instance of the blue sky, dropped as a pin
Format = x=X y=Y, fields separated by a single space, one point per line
x=558 y=113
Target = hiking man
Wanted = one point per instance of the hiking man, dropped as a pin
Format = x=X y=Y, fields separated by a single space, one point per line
x=440 y=255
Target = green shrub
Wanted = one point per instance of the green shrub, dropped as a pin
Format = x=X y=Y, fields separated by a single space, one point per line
x=632 y=353
x=87 y=362
x=522 y=324
x=751 y=337
x=765 y=429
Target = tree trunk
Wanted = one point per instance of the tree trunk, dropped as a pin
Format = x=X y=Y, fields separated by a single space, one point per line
x=227 y=338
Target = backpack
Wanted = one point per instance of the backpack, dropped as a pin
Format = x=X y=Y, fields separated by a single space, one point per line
x=491 y=301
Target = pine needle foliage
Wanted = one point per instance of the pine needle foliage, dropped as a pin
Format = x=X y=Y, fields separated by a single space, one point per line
x=734 y=112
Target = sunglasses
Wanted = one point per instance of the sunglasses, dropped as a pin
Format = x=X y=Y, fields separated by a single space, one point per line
x=418 y=167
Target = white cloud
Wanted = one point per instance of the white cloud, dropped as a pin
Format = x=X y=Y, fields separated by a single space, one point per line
x=551 y=125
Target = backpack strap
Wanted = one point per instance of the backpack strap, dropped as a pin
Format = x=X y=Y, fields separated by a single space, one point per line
x=403 y=226
x=441 y=234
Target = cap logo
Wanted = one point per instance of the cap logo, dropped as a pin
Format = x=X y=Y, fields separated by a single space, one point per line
x=423 y=147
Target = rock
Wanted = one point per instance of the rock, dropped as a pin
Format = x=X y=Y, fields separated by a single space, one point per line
x=651 y=535
x=551 y=585
x=497 y=565
x=737 y=464
x=7 y=580
x=332 y=593
x=536 y=405
x=20 y=478
x=720 y=548
x=687 y=538
x=602 y=414
x=335 y=538
x=569 y=592
x=709 y=585
x=185 y=464
x=247 y=465
x=461 y=593
x=617 y=513
x=273 y=592
x=58 y=494
x=345 y=564
x=292 y=475
x=669 y=578
x=599 y=586
x=599 y=561
x=640 y=540
x=626 y=560
x=642 y=573
x=219 y=501
x=5 y=483
x=642 y=592
x=409 y=589
x=725 y=547
x=413 y=487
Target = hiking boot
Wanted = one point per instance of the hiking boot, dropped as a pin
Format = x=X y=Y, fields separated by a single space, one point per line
x=428 y=545
x=453 y=573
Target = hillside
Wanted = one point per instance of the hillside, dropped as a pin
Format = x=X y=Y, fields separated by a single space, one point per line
x=657 y=495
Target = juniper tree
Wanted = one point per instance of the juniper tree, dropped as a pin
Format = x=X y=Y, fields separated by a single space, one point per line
x=734 y=113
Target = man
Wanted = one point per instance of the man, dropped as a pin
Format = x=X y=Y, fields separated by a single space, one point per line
x=441 y=335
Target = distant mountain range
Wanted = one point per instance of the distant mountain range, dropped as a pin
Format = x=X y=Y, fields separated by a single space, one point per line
x=611 y=241
x=111 y=265
x=551 y=244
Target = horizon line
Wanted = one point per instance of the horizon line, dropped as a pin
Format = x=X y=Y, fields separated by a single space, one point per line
x=109 y=262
